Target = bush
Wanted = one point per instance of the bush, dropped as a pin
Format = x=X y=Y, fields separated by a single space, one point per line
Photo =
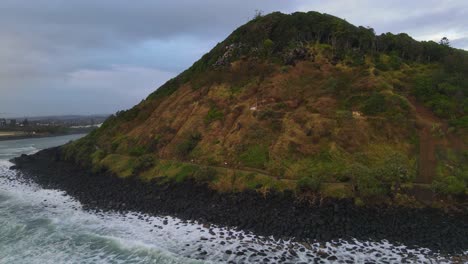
x=376 y=104
x=205 y=174
x=213 y=115
x=395 y=170
x=186 y=147
x=268 y=47
x=461 y=122
x=137 y=151
x=331 y=85
x=442 y=93
x=450 y=185
x=98 y=155
x=80 y=151
x=165 y=90
x=185 y=171
x=156 y=143
x=395 y=62
x=142 y=163
x=365 y=181
x=308 y=183
x=263 y=115
x=255 y=157
x=344 y=115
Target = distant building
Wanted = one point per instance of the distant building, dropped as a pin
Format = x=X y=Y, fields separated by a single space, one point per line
x=3 y=122
x=13 y=122
x=25 y=122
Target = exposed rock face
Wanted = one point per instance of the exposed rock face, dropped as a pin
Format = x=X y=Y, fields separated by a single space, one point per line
x=225 y=59
x=296 y=54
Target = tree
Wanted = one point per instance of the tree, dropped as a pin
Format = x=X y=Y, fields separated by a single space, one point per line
x=365 y=181
x=396 y=170
x=268 y=47
x=258 y=14
x=445 y=42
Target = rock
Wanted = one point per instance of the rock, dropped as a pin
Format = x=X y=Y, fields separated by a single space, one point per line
x=296 y=54
x=279 y=215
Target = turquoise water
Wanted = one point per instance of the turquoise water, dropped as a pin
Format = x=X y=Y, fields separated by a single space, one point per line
x=47 y=226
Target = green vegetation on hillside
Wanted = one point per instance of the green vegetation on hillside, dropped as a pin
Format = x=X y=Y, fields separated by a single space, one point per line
x=306 y=102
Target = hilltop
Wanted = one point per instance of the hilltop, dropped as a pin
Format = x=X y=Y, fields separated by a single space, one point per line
x=304 y=102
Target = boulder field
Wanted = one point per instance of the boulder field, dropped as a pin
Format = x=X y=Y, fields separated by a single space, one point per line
x=278 y=214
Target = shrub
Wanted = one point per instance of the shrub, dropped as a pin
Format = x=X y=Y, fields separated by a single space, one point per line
x=186 y=146
x=165 y=90
x=205 y=174
x=344 y=115
x=461 y=122
x=357 y=59
x=442 y=93
x=395 y=62
x=365 y=181
x=256 y=156
x=79 y=151
x=142 y=163
x=276 y=125
x=450 y=185
x=285 y=68
x=156 y=143
x=331 y=85
x=268 y=47
x=381 y=66
x=395 y=170
x=184 y=172
x=213 y=115
x=308 y=183
x=98 y=155
x=137 y=151
x=376 y=104
x=266 y=114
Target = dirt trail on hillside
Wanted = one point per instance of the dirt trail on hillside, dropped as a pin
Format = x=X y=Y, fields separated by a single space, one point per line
x=432 y=133
x=427 y=157
x=428 y=141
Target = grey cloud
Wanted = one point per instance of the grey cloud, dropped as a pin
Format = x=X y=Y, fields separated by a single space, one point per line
x=60 y=56
x=460 y=42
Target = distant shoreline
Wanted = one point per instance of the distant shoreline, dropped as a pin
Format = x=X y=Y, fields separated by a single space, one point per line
x=17 y=137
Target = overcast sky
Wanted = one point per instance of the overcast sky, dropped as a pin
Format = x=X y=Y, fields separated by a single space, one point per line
x=89 y=56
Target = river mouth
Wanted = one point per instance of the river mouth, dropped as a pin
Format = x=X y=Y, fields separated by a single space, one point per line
x=48 y=226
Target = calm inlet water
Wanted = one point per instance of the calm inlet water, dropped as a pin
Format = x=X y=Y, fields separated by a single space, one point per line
x=47 y=226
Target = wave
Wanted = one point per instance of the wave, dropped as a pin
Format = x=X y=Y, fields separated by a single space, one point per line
x=8 y=153
x=48 y=226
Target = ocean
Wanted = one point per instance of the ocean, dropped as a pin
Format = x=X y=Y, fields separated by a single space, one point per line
x=47 y=226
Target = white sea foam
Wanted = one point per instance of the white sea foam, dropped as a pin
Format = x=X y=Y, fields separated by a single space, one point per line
x=47 y=226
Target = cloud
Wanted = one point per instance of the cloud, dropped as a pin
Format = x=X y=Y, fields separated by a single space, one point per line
x=424 y=20
x=60 y=56
x=119 y=80
x=460 y=42
x=47 y=42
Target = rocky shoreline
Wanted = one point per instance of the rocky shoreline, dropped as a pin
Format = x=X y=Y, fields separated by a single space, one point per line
x=279 y=215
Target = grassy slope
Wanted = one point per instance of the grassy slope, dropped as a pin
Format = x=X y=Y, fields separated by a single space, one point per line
x=265 y=125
